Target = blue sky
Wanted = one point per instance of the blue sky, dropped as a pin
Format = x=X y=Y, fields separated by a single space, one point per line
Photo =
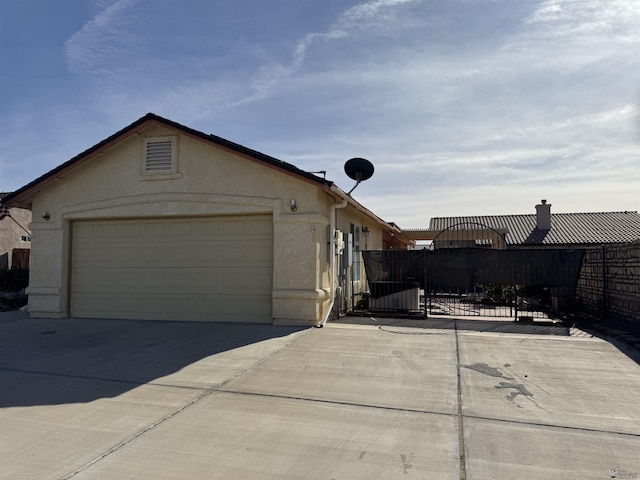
x=465 y=107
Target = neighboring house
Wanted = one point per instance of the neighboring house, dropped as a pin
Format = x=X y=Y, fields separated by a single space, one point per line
x=540 y=230
x=15 y=239
x=160 y=221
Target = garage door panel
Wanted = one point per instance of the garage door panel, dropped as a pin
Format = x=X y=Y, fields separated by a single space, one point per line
x=234 y=228
x=181 y=230
x=216 y=268
x=94 y=255
x=89 y=281
x=127 y=304
x=207 y=228
x=204 y=255
x=128 y=254
x=193 y=308
x=101 y=305
x=126 y=230
x=154 y=229
x=107 y=231
x=233 y=254
x=261 y=255
x=83 y=231
x=201 y=281
x=261 y=226
x=257 y=279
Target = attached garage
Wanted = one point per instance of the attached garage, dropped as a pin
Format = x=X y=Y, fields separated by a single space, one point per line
x=201 y=268
x=163 y=222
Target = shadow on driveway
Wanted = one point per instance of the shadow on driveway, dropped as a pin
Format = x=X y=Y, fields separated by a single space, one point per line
x=50 y=362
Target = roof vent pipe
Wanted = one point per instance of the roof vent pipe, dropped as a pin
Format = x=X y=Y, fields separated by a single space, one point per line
x=543 y=216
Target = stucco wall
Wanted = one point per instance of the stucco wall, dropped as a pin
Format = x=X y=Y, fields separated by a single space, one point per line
x=208 y=181
x=352 y=285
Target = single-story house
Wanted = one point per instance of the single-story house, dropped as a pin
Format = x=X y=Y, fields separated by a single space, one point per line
x=160 y=221
x=15 y=238
x=541 y=229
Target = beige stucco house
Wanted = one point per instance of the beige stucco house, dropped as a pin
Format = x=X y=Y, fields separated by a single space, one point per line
x=160 y=221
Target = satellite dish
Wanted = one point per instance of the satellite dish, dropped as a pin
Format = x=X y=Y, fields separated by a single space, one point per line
x=358 y=169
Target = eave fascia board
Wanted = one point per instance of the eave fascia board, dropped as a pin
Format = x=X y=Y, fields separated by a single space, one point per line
x=340 y=195
x=24 y=195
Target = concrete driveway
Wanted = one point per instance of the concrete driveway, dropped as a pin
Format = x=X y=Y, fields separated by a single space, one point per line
x=394 y=399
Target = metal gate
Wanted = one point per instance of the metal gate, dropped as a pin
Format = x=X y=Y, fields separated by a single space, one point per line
x=459 y=276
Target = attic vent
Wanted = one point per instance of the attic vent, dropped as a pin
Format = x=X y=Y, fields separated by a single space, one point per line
x=159 y=156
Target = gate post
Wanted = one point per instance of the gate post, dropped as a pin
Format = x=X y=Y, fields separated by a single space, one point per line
x=604 y=314
x=425 y=282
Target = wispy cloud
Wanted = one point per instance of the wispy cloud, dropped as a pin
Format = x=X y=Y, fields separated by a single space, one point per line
x=456 y=102
x=91 y=49
x=575 y=18
x=95 y=49
x=362 y=16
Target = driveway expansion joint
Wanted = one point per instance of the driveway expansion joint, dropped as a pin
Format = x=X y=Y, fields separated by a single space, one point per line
x=335 y=402
x=461 y=446
x=176 y=412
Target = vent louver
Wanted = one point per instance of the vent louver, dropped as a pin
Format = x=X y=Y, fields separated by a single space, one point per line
x=159 y=156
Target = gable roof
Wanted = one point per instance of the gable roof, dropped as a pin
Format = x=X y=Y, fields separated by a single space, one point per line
x=566 y=228
x=22 y=196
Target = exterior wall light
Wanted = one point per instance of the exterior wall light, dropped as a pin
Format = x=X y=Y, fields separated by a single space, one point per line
x=293 y=205
x=46 y=215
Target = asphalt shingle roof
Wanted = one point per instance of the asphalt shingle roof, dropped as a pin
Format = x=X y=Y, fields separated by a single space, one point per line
x=566 y=228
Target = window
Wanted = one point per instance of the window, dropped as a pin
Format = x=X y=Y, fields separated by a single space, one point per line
x=25 y=238
x=160 y=156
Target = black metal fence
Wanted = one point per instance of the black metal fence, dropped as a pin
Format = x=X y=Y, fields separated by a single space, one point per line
x=520 y=284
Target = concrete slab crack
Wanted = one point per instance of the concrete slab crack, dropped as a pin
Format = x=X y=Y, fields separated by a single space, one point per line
x=179 y=410
x=461 y=446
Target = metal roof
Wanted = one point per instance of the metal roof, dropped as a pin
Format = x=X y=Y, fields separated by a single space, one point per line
x=566 y=228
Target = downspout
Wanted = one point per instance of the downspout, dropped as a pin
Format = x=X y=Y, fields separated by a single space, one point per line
x=332 y=259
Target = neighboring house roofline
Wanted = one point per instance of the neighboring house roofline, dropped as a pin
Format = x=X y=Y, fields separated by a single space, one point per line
x=567 y=229
x=3 y=196
x=22 y=196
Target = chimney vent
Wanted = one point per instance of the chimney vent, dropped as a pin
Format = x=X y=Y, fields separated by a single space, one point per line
x=543 y=216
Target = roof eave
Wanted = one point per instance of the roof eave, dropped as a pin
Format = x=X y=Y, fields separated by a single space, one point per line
x=24 y=195
x=339 y=194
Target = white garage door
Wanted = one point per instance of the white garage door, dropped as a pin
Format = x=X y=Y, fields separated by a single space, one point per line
x=211 y=269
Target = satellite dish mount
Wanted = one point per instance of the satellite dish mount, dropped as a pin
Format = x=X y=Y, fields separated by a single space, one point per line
x=358 y=169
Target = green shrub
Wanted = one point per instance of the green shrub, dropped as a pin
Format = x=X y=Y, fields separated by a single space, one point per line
x=497 y=294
